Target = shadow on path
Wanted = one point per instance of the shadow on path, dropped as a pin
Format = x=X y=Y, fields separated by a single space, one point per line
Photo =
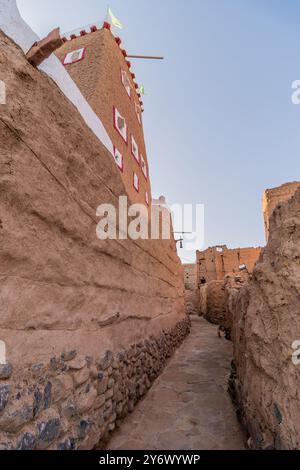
x=188 y=407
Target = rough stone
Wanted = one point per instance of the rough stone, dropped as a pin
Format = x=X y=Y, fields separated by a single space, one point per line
x=6 y=371
x=4 y=396
x=69 y=355
x=81 y=377
x=48 y=431
x=16 y=415
x=27 y=442
x=69 y=444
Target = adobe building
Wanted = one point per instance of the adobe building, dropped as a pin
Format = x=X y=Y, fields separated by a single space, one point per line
x=275 y=196
x=216 y=262
x=97 y=63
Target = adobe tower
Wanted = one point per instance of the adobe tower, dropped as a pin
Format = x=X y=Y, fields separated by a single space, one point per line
x=98 y=65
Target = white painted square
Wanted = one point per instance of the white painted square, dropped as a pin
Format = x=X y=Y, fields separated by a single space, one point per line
x=120 y=124
x=119 y=159
x=136 y=182
x=2 y=92
x=126 y=82
x=138 y=111
x=2 y=353
x=135 y=149
x=144 y=167
x=74 y=56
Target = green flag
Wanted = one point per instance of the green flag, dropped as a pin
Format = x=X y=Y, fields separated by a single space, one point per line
x=142 y=90
x=114 y=20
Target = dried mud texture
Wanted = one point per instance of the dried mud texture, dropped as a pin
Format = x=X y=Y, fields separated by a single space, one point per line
x=62 y=289
x=265 y=381
x=233 y=284
x=216 y=306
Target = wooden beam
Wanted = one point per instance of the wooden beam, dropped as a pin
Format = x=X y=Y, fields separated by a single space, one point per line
x=145 y=57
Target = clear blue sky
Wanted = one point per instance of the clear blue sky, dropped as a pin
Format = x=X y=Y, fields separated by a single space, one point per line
x=219 y=122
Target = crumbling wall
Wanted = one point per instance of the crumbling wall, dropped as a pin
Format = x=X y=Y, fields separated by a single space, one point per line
x=215 y=302
x=265 y=379
x=87 y=324
x=275 y=196
x=232 y=284
x=192 y=293
x=215 y=263
x=190 y=276
x=203 y=299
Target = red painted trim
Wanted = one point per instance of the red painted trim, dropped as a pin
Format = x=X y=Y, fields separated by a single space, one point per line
x=145 y=176
x=75 y=61
x=115 y=126
x=132 y=75
x=106 y=25
x=138 y=115
x=73 y=36
x=64 y=39
x=118 y=41
x=121 y=169
x=147 y=202
x=136 y=85
x=136 y=189
x=128 y=64
x=94 y=29
x=83 y=33
x=137 y=160
x=124 y=52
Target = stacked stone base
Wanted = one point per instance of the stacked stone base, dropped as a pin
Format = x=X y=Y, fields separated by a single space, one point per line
x=76 y=402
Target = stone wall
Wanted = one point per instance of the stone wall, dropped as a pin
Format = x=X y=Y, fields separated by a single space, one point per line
x=265 y=380
x=75 y=402
x=275 y=196
x=66 y=298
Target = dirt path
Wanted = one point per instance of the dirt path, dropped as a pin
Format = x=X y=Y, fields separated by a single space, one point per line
x=188 y=407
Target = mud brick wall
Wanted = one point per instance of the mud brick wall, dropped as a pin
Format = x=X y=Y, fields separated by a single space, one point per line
x=192 y=293
x=65 y=296
x=274 y=197
x=265 y=380
x=215 y=302
x=215 y=263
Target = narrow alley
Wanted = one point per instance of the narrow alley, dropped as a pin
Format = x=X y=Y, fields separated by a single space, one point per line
x=188 y=406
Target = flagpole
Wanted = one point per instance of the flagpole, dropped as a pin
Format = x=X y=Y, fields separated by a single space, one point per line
x=145 y=57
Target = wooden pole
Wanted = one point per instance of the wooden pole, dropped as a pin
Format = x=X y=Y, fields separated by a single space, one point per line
x=145 y=57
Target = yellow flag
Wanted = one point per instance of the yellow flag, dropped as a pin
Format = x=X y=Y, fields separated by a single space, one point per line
x=117 y=23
